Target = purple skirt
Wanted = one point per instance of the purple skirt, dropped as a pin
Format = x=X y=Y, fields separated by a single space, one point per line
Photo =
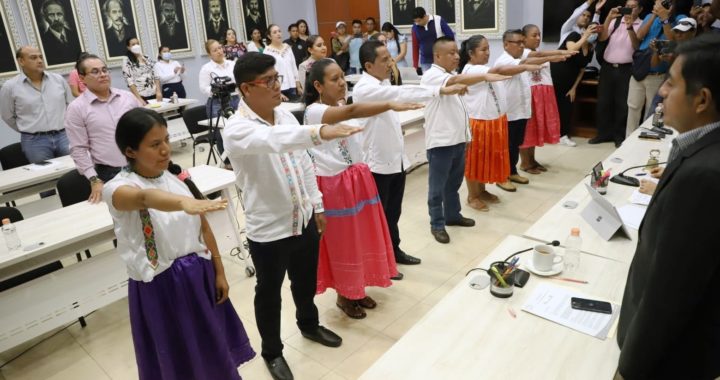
x=179 y=332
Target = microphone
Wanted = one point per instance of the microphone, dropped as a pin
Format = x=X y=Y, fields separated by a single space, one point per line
x=622 y=179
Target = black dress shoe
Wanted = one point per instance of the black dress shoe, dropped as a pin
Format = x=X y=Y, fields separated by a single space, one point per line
x=279 y=369
x=399 y=277
x=323 y=336
x=403 y=258
x=462 y=222
x=441 y=236
x=599 y=140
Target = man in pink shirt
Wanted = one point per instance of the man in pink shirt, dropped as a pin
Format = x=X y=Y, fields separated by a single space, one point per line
x=615 y=73
x=90 y=122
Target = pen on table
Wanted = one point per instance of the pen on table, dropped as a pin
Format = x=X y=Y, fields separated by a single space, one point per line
x=511 y=266
x=512 y=312
x=569 y=280
x=640 y=174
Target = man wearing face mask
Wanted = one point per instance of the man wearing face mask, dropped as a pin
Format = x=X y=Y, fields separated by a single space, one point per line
x=60 y=41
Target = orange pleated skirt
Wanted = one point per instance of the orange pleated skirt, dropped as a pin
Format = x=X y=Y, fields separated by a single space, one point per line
x=487 y=158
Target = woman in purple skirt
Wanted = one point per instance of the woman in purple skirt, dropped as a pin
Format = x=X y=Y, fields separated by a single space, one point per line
x=183 y=325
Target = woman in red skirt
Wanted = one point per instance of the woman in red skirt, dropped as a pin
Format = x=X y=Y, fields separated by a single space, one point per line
x=355 y=249
x=544 y=125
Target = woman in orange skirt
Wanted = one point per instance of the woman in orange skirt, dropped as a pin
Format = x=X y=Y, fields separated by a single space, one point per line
x=544 y=125
x=488 y=158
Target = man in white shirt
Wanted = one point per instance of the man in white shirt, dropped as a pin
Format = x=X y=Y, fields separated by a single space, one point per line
x=446 y=134
x=383 y=140
x=283 y=206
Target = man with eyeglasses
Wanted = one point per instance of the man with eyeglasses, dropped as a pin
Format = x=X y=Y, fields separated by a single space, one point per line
x=33 y=103
x=284 y=212
x=90 y=123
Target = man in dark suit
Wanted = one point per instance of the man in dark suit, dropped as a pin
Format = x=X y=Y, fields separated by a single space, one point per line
x=670 y=318
x=216 y=24
x=402 y=12
x=171 y=30
x=60 y=40
x=254 y=18
x=117 y=27
x=479 y=14
x=446 y=10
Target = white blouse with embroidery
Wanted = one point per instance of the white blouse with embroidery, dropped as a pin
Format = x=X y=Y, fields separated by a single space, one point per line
x=285 y=65
x=334 y=157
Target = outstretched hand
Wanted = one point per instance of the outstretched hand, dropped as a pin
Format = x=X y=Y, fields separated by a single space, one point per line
x=492 y=77
x=400 y=107
x=336 y=131
x=455 y=89
x=201 y=206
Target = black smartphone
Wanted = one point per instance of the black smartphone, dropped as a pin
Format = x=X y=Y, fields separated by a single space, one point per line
x=625 y=11
x=591 y=305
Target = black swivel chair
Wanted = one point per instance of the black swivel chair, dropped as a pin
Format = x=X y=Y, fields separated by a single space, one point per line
x=74 y=188
x=191 y=117
x=12 y=156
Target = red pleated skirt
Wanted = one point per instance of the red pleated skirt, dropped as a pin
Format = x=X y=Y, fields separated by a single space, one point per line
x=544 y=125
x=487 y=158
x=355 y=249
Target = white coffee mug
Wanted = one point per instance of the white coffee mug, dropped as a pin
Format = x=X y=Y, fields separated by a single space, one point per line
x=544 y=258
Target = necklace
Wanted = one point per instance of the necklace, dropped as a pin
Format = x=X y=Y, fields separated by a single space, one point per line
x=148 y=177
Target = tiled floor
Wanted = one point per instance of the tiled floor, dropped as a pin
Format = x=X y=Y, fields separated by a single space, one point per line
x=103 y=350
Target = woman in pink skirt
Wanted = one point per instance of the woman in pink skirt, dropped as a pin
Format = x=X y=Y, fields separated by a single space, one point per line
x=544 y=125
x=355 y=249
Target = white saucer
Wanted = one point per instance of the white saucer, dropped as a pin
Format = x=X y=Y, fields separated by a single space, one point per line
x=556 y=269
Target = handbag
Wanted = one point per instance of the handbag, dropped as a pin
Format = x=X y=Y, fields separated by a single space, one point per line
x=641 y=63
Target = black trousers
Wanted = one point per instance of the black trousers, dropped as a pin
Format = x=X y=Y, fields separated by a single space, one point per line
x=105 y=172
x=169 y=88
x=298 y=256
x=612 y=108
x=565 y=109
x=391 y=188
x=516 y=135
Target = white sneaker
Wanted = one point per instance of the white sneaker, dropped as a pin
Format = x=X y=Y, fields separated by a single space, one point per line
x=565 y=140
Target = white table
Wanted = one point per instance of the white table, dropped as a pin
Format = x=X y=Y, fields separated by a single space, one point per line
x=470 y=334
x=557 y=222
x=169 y=109
x=22 y=181
x=51 y=301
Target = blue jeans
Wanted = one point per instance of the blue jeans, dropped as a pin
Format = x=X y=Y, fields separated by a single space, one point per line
x=212 y=108
x=447 y=168
x=39 y=148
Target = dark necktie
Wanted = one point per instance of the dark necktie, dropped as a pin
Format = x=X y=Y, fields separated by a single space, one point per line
x=63 y=39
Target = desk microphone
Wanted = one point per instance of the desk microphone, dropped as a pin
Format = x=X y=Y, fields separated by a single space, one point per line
x=622 y=179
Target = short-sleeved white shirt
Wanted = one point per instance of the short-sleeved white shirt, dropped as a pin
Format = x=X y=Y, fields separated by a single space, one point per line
x=177 y=234
x=446 y=117
x=333 y=157
x=518 y=95
x=484 y=100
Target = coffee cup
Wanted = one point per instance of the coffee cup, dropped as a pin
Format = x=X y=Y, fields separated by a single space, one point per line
x=544 y=258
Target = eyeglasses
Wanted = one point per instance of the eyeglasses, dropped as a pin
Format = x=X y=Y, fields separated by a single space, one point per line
x=269 y=82
x=97 y=72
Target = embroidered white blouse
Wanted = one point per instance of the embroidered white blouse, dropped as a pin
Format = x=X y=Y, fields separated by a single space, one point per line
x=335 y=156
x=284 y=64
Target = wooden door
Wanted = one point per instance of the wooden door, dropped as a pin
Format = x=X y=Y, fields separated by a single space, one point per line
x=329 y=12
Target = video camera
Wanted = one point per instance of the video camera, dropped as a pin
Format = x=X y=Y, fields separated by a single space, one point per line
x=222 y=89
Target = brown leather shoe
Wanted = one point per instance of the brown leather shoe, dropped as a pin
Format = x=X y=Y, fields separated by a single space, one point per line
x=517 y=178
x=351 y=308
x=532 y=170
x=507 y=186
x=367 y=303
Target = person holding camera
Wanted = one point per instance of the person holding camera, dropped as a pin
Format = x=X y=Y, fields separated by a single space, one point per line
x=218 y=70
x=647 y=78
x=619 y=30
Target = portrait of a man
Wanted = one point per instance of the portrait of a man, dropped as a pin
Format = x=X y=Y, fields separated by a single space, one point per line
x=479 y=14
x=8 y=64
x=254 y=13
x=446 y=10
x=216 y=19
x=57 y=27
x=118 y=18
x=402 y=12
x=170 y=17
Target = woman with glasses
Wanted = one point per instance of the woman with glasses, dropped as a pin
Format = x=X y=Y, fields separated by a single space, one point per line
x=170 y=73
x=284 y=63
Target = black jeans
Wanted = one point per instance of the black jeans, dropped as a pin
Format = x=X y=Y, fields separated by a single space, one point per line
x=391 y=188
x=298 y=256
x=612 y=109
x=169 y=88
x=516 y=135
x=106 y=173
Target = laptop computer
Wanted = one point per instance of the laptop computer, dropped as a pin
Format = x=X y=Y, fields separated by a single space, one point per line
x=603 y=216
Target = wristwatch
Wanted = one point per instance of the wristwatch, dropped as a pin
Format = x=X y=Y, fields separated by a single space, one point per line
x=94 y=179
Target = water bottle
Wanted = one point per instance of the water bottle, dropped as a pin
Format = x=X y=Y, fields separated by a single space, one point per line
x=657 y=120
x=573 y=245
x=174 y=98
x=12 y=241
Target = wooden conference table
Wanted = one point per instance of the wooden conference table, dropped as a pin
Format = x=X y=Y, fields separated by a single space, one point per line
x=470 y=334
x=43 y=304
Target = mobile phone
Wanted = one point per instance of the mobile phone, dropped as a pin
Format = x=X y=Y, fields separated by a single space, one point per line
x=649 y=136
x=591 y=305
x=625 y=11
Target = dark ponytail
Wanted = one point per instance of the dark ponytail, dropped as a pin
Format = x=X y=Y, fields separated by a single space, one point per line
x=468 y=46
x=184 y=176
x=316 y=73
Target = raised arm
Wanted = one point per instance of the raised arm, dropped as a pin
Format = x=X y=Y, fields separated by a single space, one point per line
x=129 y=198
x=514 y=69
x=334 y=115
x=568 y=26
x=471 y=79
x=614 y=14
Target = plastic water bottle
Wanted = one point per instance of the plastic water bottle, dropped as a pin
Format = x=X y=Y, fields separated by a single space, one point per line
x=657 y=120
x=573 y=245
x=174 y=98
x=12 y=241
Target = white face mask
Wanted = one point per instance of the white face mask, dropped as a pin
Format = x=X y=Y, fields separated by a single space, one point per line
x=593 y=37
x=166 y=56
x=136 y=49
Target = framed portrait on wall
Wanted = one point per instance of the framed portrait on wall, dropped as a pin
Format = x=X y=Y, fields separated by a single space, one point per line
x=171 y=31
x=8 y=65
x=482 y=16
x=401 y=13
x=254 y=13
x=215 y=17
x=445 y=9
x=118 y=20
x=56 y=26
